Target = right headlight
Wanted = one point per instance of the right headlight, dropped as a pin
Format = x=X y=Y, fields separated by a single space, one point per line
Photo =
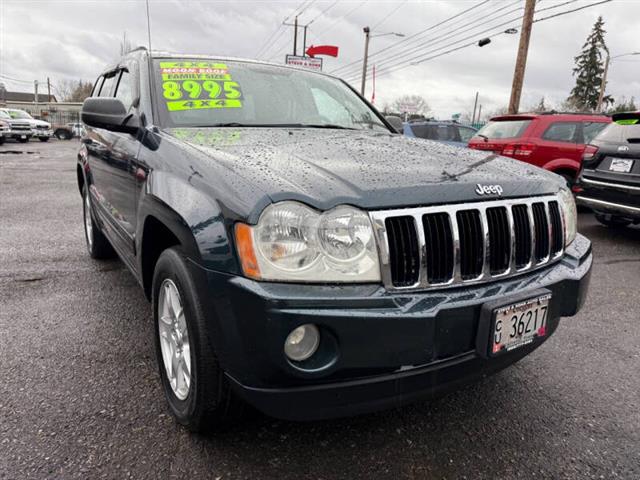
x=293 y=242
x=570 y=215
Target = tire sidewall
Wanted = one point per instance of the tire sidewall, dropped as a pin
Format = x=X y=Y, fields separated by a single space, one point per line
x=171 y=266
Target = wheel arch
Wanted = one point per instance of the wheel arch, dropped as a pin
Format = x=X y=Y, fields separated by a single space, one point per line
x=563 y=165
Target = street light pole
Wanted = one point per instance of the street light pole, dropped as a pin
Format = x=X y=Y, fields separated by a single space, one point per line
x=366 y=59
x=603 y=82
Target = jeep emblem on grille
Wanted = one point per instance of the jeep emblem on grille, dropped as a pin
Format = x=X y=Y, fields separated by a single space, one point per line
x=489 y=190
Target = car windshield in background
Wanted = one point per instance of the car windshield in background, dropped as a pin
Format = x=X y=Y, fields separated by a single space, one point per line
x=504 y=128
x=202 y=93
x=4 y=115
x=19 y=114
x=617 y=133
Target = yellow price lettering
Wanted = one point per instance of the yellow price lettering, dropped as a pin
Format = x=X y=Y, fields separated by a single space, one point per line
x=171 y=90
x=212 y=87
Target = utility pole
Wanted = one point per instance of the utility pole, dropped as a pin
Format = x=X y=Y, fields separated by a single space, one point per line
x=48 y=90
x=35 y=89
x=366 y=58
x=304 y=40
x=475 y=106
x=479 y=113
x=295 y=36
x=521 y=62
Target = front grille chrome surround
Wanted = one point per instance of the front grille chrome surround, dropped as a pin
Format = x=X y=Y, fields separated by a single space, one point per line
x=455 y=227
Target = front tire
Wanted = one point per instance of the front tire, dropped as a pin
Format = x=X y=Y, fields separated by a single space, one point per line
x=44 y=139
x=97 y=244
x=198 y=394
x=23 y=140
x=612 y=221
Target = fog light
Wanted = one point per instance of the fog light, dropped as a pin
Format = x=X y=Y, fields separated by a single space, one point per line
x=302 y=342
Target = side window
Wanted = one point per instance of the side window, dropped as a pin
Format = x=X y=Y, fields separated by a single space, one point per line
x=124 y=92
x=561 y=132
x=97 y=86
x=466 y=134
x=591 y=129
x=107 y=86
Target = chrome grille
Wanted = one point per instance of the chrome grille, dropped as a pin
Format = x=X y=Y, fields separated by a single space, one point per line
x=477 y=242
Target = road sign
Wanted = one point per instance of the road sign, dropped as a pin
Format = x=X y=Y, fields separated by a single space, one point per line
x=304 y=62
x=330 y=50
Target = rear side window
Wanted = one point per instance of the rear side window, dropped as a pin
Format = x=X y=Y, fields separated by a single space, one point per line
x=591 y=129
x=504 y=128
x=429 y=132
x=466 y=134
x=97 y=86
x=443 y=133
x=562 y=132
x=125 y=91
x=108 y=86
x=615 y=133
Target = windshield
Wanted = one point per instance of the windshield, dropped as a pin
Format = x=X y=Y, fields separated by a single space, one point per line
x=20 y=114
x=4 y=115
x=195 y=93
x=504 y=129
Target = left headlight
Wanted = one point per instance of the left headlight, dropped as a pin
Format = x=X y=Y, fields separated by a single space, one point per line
x=570 y=214
x=293 y=242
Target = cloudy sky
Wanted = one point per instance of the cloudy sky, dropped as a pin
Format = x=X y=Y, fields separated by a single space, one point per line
x=76 y=39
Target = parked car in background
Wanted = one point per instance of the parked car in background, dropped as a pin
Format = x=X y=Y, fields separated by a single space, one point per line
x=5 y=126
x=68 y=131
x=302 y=256
x=39 y=128
x=609 y=182
x=19 y=129
x=450 y=133
x=553 y=141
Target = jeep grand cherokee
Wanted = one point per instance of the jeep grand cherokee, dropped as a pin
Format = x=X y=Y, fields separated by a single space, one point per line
x=302 y=257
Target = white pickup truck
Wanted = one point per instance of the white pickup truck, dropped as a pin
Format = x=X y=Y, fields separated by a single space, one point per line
x=37 y=128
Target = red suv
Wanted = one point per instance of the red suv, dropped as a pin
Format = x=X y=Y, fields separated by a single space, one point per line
x=553 y=141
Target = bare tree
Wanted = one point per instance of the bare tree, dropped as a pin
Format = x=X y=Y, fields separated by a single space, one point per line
x=414 y=104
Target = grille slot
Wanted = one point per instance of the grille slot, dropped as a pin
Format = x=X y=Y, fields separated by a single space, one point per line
x=471 y=244
x=557 y=235
x=403 y=249
x=541 y=231
x=439 y=241
x=449 y=245
x=522 y=230
x=499 y=240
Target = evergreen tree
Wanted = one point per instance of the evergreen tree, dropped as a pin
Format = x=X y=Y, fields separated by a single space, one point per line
x=624 y=106
x=589 y=70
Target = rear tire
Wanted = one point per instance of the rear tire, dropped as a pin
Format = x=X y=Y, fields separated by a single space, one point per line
x=612 y=221
x=196 y=389
x=98 y=246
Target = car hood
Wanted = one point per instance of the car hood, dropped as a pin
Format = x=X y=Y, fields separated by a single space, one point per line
x=39 y=123
x=371 y=170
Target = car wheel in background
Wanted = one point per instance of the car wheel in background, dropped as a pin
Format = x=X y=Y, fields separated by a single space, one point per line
x=612 y=221
x=569 y=178
x=44 y=139
x=62 y=135
x=198 y=393
x=23 y=140
x=97 y=244
x=1 y=140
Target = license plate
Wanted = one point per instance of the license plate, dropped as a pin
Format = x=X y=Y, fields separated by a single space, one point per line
x=519 y=324
x=23 y=136
x=621 y=165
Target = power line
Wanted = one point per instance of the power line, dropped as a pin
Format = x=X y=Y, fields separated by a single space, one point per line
x=334 y=23
x=385 y=18
x=421 y=60
x=323 y=12
x=266 y=46
x=391 y=58
x=414 y=35
x=354 y=74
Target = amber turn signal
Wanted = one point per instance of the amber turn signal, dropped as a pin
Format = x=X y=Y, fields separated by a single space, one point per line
x=246 y=251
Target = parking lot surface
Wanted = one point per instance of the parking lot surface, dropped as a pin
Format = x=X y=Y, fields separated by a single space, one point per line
x=80 y=395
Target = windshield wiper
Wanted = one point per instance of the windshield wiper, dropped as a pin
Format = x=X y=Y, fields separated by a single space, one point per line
x=486 y=139
x=319 y=125
x=633 y=140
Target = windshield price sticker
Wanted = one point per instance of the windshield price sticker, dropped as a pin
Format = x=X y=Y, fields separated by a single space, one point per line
x=198 y=85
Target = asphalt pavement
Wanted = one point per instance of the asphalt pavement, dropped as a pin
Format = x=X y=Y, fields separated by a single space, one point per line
x=80 y=395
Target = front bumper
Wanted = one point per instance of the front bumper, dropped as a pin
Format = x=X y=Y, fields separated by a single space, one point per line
x=17 y=134
x=610 y=196
x=380 y=349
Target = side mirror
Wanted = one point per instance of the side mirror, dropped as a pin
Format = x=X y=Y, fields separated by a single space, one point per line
x=110 y=114
x=396 y=122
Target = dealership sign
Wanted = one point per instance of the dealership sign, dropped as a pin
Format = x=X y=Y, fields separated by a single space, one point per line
x=304 y=62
